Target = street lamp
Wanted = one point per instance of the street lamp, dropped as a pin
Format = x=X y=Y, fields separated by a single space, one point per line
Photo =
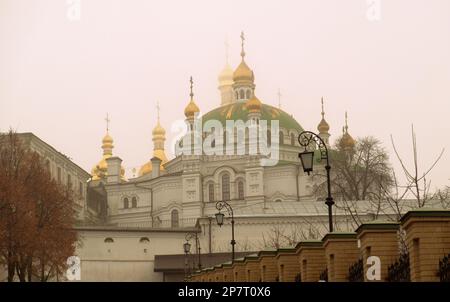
x=220 y=216
x=187 y=247
x=307 y=158
x=190 y=236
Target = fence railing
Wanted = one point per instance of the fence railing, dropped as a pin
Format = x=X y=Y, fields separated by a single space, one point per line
x=444 y=269
x=356 y=272
x=400 y=270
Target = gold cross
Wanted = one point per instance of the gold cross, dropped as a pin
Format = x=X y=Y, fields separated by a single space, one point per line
x=242 y=45
x=157 y=108
x=192 y=85
x=279 y=98
x=107 y=122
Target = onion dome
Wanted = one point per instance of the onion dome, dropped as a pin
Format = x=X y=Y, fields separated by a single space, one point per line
x=323 y=126
x=243 y=73
x=253 y=104
x=347 y=141
x=192 y=108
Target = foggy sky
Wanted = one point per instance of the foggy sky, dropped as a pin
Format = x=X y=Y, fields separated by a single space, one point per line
x=59 y=78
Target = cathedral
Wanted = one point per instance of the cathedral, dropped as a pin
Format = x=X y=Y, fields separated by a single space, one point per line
x=131 y=227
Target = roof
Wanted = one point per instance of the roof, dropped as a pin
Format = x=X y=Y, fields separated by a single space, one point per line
x=32 y=136
x=176 y=263
x=238 y=111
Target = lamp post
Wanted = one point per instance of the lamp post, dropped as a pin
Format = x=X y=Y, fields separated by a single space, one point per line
x=307 y=158
x=190 y=236
x=220 y=216
x=187 y=249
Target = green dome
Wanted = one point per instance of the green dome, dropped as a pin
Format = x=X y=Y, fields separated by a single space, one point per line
x=238 y=111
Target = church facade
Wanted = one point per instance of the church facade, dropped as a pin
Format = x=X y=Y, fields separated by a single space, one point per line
x=260 y=176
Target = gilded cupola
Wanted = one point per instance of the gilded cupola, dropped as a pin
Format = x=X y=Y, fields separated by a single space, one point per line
x=159 y=138
x=100 y=170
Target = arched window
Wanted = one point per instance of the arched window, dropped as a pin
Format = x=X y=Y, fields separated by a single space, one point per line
x=126 y=203
x=247 y=94
x=292 y=139
x=241 y=94
x=134 y=202
x=237 y=95
x=109 y=240
x=269 y=138
x=211 y=192
x=213 y=143
x=281 y=140
x=175 y=223
x=144 y=240
x=240 y=190
x=225 y=187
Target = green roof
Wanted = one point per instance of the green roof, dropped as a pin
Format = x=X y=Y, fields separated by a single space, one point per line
x=238 y=111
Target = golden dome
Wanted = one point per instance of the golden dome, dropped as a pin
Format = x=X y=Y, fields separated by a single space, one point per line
x=148 y=167
x=158 y=130
x=191 y=109
x=253 y=104
x=323 y=126
x=100 y=170
x=243 y=73
x=107 y=139
x=347 y=141
x=226 y=76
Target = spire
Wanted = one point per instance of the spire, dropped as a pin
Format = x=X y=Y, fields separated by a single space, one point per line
x=279 y=98
x=346 y=122
x=157 y=109
x=191 y=109
x=226 y=51
x=242 y=45
x=347 y=141
x=159 y=138
x=323 y=112
x=192 y=85
x=243 y=78
x=323 y=126
x=99 y=171
x=107 y=122
x=107 y=142
x=226 y=80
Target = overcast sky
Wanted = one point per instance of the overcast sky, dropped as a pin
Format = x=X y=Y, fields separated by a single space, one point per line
x=59 y=76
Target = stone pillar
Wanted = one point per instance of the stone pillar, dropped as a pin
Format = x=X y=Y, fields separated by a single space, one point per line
x=341 y=251
x=114 y=165
x=428 y=241
x=239 y=270
x=268 y=265
x=379 y=238
x=210 y=274
x=252 y=271
x=287 y=264
x=218 y=273
x=156 y=163
x=227 y=272
x=311 y=258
